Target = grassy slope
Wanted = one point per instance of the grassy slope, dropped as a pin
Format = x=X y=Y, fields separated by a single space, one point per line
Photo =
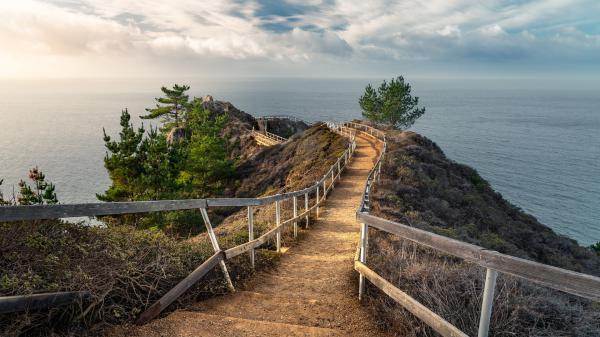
x=126 y=269
x=420 y=186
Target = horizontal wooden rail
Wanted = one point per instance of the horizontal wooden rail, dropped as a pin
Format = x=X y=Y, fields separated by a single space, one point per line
x=575 y=283
x=39 y=301
x=263 y=139
x=245 y=247
x=36 y=212
x=33 y=212
x=274 y=136
x=432 y=319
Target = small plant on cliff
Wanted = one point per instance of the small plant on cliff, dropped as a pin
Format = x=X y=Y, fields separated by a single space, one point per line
x=596 y=247
x=41 y=193
x=175 y=105
x=391 y=104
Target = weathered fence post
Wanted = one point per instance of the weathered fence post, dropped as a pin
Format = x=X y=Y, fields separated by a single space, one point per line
x=487 y=302
x=251 y=233
x=306 y=207
x=278 y=222
x=295 y=215
x=215 y=244
x=332 y=177
x=317 y=201
x=324 y=189
x=364 y=242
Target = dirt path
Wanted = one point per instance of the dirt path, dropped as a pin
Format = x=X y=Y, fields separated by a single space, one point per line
x=312 y=292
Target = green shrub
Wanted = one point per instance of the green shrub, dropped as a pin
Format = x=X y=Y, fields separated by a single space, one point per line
x=596 y=247
x=479 y=183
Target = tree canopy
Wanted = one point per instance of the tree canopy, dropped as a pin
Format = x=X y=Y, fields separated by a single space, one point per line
x=175 y=104
x=392 y=104
x=143 y=165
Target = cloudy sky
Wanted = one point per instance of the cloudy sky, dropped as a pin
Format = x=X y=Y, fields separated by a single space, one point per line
x=353 y=38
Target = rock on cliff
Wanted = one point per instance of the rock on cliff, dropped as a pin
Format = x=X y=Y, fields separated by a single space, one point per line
x=282 y=126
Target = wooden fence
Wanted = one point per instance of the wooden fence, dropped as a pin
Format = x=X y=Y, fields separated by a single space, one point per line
x=578 y=284
x=320 y=190
x=267 y=139
x=275 y=117
x=582 y=285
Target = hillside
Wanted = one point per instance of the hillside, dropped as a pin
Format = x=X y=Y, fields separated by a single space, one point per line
x=424 y=188
x=421 y=187
x=126 y=269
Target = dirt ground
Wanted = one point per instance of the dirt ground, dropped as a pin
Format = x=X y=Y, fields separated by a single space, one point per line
x=312 y=291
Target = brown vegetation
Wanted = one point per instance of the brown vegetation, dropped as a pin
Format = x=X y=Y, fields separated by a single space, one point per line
x=125 y=269
x=421 y=187
x=453 y=289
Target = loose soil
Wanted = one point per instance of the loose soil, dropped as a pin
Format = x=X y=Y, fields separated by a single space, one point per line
x=311 y=292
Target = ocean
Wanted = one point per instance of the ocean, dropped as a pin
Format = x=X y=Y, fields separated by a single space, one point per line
x=537 y=144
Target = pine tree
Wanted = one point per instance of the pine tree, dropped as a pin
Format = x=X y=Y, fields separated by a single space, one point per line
x=123 y=161
x=391 y=104
x=162 y=165
x=208 y=165
x=42 y=192
x=175 y=105
x=143 y=165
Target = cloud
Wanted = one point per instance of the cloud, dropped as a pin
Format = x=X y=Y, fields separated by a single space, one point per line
x=492 y=30
x=301 y=32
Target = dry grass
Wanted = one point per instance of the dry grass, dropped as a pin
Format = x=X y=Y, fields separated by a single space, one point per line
x=126 y=269
x=453 y=289
x=421 y=187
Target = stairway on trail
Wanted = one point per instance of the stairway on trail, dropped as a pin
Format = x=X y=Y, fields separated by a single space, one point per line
x=311 y=292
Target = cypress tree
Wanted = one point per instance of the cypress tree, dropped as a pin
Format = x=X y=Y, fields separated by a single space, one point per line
x=41 y=193
x=175 y=105
x=123 y=161
x=392 y=104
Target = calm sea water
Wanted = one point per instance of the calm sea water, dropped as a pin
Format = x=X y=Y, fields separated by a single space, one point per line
x=539 y=146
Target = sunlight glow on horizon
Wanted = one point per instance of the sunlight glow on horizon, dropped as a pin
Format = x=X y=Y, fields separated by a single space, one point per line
x=104 y=38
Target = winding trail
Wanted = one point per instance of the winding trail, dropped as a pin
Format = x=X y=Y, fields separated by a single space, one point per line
x=313 y=289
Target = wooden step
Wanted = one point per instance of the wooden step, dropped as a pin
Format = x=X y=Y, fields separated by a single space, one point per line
x=310 y=311
x=192 y=324
x=299 y=286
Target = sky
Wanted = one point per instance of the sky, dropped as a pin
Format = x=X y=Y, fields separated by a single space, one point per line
x=310 y=38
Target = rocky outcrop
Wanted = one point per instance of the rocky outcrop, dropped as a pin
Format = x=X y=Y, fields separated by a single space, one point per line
x=175 y=135
x=293 y=165
x=238 y=128
x=281 y=126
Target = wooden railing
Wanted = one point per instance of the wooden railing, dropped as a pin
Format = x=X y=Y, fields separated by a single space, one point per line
x=320 y=189
x=578 y=284
x=267 y=138
x=582 y=285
